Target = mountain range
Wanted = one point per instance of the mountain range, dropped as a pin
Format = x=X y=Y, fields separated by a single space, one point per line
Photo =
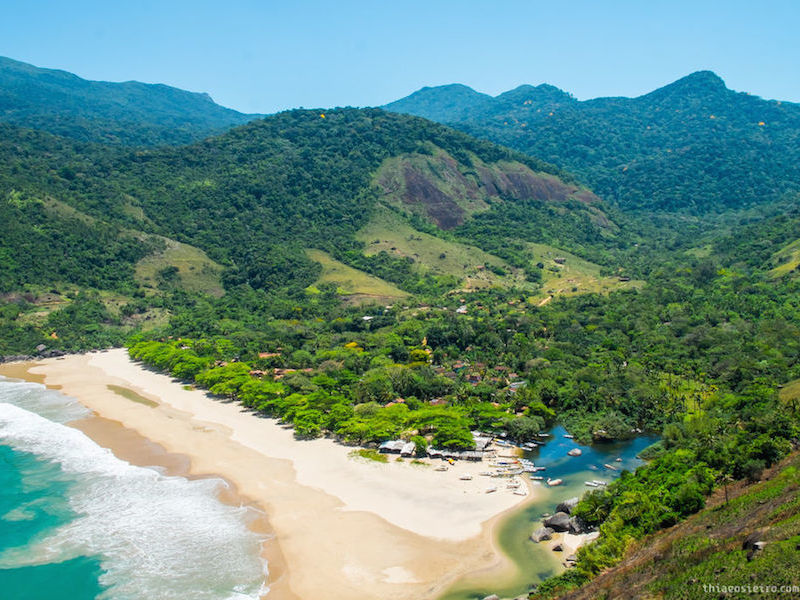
x=693 y=146
x=129 y=113
x=629 y=264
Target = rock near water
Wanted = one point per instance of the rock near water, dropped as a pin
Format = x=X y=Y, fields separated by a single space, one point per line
x=558 y=522
x=567 y=506
x=541 y=534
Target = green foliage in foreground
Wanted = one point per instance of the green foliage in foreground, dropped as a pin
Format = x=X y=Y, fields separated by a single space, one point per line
x=708 y=548
x=736 y=438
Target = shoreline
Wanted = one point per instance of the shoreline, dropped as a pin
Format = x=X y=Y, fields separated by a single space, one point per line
x=336 y=527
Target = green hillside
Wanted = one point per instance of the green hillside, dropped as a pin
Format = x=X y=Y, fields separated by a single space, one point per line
x=241 y=209
x=473 y=268
x=693 y=146
x=129 y=113
x=787 y=260
x=711 y=548
x=352 y=283
x=180 y=265
x=366 y=275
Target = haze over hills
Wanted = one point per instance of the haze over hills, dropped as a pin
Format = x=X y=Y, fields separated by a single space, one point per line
x=692 y=146
x=129 y=113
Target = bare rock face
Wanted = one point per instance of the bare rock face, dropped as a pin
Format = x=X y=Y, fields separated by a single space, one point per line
x=558 y=522
x=541 y=534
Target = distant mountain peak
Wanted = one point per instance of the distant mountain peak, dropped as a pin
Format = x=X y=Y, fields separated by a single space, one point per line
x=440 y=102
x=544 y=93
x=130 y=112
x=699 y=83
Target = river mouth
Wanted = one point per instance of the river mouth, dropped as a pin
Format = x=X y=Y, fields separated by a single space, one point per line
x=531 y=562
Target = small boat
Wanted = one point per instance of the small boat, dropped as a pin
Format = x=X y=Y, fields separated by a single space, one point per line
x=441 y=468
x=521 y=491
x=591 y=484
x=536 y=469
x=485 y=473
x=575 y=452
x=490 y=490
x=554 y=482
x=466 y=477
x=610 y=467
x=619 y=460
x=537 y=478
x=569 y=437
x=599 y=482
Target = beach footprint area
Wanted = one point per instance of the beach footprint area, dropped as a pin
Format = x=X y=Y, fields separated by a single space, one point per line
x=310 y=521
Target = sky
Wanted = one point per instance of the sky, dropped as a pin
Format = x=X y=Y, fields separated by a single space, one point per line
x=267 y=56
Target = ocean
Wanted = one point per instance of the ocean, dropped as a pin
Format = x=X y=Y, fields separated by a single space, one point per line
x=76 y=522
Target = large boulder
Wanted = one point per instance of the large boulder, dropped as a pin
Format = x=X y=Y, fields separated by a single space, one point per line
x=567 y=505
x=576 y=526
x=541 y=534
x=558 y=522
x=492 y=597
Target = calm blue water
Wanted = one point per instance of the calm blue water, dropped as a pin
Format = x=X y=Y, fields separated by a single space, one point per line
x=536 y=562
x=78 y=523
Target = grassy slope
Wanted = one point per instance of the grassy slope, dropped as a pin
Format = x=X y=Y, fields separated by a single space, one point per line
x=352 y=282
x=707 y=547
x=196 y=271
x=788 y=260
x=575 y=276
x=790 y=393
x=387 y=231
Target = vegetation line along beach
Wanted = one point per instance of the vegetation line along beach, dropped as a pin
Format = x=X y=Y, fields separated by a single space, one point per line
x=455 y=347
x=419 y=542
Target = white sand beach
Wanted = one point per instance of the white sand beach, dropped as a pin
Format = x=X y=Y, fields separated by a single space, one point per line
x=343 y=527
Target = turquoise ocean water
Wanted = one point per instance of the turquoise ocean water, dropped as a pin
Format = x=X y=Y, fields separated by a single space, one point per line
x=78 y=523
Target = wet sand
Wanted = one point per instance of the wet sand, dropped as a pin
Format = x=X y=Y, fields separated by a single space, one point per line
x=340 y=527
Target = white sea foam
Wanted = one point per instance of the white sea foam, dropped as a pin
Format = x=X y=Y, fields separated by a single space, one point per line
x=50 y=404
x=157 y=536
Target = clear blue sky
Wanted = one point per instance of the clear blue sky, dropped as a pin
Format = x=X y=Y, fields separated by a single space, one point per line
x=268 y=56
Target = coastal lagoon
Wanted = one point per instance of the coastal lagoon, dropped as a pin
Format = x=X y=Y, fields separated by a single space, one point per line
x=76 y=520
x=534 y=562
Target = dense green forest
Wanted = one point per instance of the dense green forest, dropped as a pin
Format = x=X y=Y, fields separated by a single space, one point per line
x=217 y=262
x=129 y=113
x=693 y=146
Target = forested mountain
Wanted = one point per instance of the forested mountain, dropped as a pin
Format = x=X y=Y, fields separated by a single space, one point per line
x=371 y=275
x=693 y=146
x=129 y=113
x=254 y=197
x=253 y=202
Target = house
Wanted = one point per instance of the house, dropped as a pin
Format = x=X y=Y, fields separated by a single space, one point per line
x=408 y=449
